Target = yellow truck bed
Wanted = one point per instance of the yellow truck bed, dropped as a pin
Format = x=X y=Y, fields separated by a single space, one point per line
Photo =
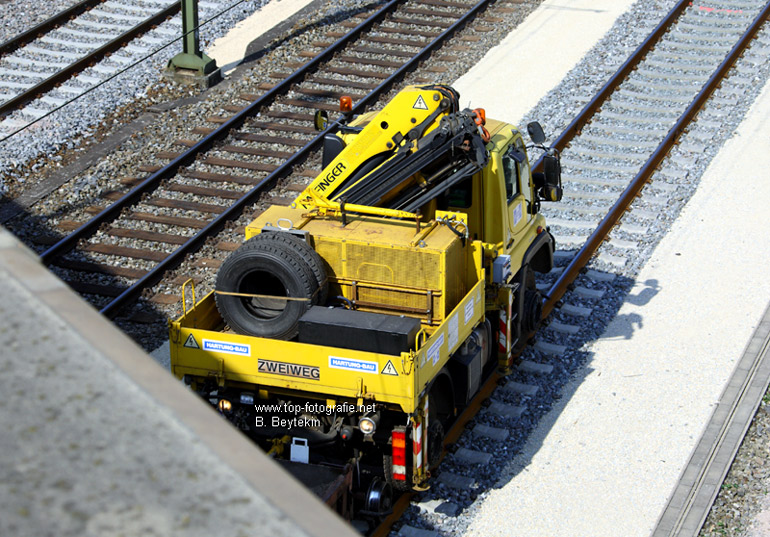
x=202 y=347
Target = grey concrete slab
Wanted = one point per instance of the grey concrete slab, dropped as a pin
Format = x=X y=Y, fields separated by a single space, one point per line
x=100 y=440
x=597 y=293
x=471 y=456
x=505 y=410
x=456 y=481
x=550 y=348
x=529 y=366
x=520 y=388
x=578 y=311
x=410 y=531
x=495 y=433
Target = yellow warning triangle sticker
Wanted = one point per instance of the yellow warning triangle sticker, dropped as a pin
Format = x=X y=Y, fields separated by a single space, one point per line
x=388 y=369
x=420 y=104
x=191 y=342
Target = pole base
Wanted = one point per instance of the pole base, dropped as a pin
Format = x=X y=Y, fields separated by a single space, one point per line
x=193 y=78
x=193 y=69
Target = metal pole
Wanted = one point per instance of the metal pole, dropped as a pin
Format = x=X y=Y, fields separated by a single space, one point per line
x=191 y=42
x=191 y=60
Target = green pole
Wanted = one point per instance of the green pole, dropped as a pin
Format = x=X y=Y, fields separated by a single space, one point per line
x=191 y=57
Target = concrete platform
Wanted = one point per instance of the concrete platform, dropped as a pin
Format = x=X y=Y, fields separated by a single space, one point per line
x=230 y=50
x=530 y=49
x=98 y=440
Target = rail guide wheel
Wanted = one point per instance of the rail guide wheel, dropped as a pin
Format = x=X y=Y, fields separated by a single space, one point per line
x=379 y=498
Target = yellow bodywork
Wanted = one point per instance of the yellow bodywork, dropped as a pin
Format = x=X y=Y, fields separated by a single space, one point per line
x=384 y=265
x=410 y=264
x=201 y=348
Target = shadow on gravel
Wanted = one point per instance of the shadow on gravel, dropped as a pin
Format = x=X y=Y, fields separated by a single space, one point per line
x=571 y=326
x=87 y=275
x=263 y=46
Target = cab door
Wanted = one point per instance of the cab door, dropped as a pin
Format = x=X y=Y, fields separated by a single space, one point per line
x=517 y=190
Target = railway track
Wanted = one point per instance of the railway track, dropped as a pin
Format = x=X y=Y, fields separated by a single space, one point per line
x=47 y=25
x=43 y=68
x=699 y=484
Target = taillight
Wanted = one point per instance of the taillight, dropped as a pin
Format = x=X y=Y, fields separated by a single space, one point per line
x=398 y=439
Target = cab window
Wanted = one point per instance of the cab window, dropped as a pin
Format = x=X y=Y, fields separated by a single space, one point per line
x=511 y=161
x=523 y=166
x=461 y=195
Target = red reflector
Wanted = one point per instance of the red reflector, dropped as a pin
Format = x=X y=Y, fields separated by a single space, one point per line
x=539 y=229
x=398 y=440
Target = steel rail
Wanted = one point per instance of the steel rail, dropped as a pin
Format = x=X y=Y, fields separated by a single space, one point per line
x=690 y=502
x=47 y=25
x=420 y=56
x=601 y=232
x=593 y=106
x=86 y=61
x=577 y=124
x=196 y=241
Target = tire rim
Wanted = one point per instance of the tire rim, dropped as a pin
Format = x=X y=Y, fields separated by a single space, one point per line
x=267 y=284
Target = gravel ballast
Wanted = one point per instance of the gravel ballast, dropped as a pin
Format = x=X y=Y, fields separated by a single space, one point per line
x=82 y=119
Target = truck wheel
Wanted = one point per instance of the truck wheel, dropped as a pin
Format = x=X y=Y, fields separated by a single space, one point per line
x=379 y=498
x=435 y=443
x=311 y=257
x=273 y=270
x=533 y=304
x=387 y=466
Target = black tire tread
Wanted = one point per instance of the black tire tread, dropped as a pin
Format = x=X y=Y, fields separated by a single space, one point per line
x=309 y=255
x=231 y=308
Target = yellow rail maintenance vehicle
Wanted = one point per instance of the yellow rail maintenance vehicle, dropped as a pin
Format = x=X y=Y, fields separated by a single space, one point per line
x=359 y=320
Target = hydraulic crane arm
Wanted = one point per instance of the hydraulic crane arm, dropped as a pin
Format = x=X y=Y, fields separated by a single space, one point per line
x=420 y=129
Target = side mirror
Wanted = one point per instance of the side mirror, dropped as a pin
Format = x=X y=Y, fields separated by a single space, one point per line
x=320 y=120
x=551 y=190
x=333 y=146
x=536 y=133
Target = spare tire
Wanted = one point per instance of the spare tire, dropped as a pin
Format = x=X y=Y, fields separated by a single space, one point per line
x=310 y=256
x=273 y=271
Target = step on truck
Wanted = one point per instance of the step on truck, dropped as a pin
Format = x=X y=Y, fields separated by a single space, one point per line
x=357 y=322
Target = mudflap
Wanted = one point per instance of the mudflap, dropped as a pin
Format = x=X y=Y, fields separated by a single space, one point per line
x=509 y=329
x=420 y=470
